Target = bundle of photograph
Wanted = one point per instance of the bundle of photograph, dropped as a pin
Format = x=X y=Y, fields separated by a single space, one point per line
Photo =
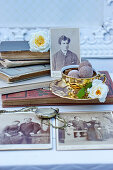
x=46 y=71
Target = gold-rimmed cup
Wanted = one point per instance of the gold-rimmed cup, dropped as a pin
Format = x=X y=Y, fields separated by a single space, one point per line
x=78 y=83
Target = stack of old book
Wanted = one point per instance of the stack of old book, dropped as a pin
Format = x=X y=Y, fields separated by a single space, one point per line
x=21 y=69
x=25 y=78
x=19 y=63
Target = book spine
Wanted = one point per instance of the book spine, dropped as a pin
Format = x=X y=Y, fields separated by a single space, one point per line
x=8 y=63
x=23 y=55
x=52 y=101
x=29 y=76
x=20 y=88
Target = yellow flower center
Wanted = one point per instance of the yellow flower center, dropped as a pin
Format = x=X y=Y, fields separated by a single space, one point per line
x=39 y=41
x=98 y=92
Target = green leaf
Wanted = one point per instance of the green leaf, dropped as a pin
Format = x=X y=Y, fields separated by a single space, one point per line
x=81 y=93
x=89 y=85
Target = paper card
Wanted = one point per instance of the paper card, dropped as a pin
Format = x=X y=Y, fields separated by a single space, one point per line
x=65 y=49
x=20 y=131
x=85 y=130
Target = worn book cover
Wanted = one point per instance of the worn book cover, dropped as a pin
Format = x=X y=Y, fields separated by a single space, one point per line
x=21 y=73
x=42 y=96
x=38 y=82
x=20 y=50
x=8 y=46
x=19 y=63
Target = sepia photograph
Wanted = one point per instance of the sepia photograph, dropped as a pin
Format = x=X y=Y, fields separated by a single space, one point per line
x=24 y=131
x=85 y=130
x=65 y=49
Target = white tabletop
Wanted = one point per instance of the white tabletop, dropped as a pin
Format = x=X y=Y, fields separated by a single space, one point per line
x=53 y=157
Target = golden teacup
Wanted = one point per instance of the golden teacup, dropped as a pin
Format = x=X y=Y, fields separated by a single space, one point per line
x=78 y=83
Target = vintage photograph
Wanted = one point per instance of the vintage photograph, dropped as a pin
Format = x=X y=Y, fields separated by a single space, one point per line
x=85 y=130
x=24 y=131
x=65 y=49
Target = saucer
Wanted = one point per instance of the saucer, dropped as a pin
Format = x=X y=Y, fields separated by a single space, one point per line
x=59 y=88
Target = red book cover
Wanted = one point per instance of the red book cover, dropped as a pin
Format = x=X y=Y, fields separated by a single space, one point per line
x=45 y=97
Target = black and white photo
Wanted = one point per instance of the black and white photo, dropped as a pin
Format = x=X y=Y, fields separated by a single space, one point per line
x=65 y=49
x=85 y=130
x=24 y=131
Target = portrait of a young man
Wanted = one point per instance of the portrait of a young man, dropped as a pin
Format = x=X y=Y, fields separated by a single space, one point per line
x=65 y=49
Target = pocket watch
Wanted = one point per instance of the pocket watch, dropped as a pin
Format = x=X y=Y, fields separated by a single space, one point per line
x=48 y=113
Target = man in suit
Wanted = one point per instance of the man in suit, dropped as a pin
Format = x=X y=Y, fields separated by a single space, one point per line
x=11 y=134
x=27 y=128
x=64 y=56
x=79 y=125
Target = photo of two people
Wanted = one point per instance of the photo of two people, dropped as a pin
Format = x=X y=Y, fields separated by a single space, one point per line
x=85 y=130
x=24 y=131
